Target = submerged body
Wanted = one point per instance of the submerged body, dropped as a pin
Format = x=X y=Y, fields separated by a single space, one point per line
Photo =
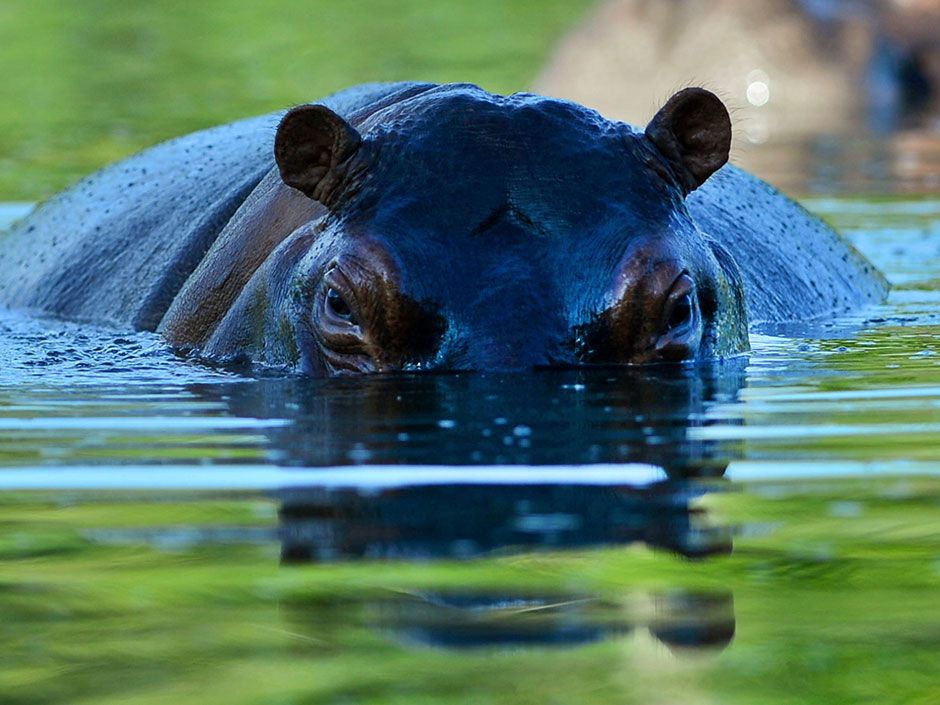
x=402 y=226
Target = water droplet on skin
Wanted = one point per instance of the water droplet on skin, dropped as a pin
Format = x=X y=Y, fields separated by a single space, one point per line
x=522 y=431
x=447 y=423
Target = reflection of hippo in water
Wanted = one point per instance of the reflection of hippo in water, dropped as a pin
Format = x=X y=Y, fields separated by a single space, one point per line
x=651 y=415
x=467 y=520
x=421 y=226
x=508 y=619
x=441 y=520
x=683 y=621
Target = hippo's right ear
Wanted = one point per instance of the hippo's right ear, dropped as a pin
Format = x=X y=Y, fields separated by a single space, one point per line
x=693 y=132
x=311 y=141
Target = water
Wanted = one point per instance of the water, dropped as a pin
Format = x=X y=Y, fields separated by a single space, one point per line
x=763 y=529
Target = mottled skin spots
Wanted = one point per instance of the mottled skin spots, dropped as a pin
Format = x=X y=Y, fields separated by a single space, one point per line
x=414 y=226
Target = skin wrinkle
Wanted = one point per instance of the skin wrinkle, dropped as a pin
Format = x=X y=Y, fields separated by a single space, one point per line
x=512 y=212
x=272 y=214
x=393 y=330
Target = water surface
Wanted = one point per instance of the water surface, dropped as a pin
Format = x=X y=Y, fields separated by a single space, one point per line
x=763 y=529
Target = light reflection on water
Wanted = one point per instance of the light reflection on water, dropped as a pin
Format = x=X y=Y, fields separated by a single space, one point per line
x=779 y=510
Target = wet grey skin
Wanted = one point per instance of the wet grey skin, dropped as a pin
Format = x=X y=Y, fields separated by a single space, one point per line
x=416 y=226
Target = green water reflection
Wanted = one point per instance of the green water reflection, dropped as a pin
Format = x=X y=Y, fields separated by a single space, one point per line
x=807 y=573
x=833 y=585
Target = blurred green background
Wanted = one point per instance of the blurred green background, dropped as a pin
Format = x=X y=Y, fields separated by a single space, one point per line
x=85 y=83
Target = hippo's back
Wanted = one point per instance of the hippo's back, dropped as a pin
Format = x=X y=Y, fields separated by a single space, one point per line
x=116 y=247
x=795 y=266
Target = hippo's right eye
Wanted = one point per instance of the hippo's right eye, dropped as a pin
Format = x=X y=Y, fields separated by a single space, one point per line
x=337 y=306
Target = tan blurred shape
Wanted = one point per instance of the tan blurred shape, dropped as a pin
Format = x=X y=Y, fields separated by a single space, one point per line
x=785 y=70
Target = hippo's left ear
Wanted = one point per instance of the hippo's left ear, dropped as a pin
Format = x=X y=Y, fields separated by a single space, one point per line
x=311 y=141
x=693 y=132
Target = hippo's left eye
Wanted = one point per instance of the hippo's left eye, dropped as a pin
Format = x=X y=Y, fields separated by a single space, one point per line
x=338 y=307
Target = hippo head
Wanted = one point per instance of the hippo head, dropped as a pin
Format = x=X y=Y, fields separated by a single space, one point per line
x=463 y=230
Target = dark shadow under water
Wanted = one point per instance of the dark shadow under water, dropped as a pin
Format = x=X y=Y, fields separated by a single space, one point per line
x=639 y=416
x=634 y=415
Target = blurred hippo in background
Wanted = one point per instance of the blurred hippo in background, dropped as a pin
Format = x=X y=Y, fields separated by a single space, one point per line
x=417 y=226
x=786 y=68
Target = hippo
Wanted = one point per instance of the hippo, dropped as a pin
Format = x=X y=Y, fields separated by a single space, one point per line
x=416 y=226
